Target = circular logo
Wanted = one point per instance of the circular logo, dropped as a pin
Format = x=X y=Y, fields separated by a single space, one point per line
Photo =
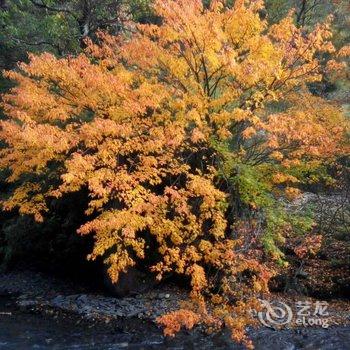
x=275 y=313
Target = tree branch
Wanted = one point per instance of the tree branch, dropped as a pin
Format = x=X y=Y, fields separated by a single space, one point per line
x=53 y=9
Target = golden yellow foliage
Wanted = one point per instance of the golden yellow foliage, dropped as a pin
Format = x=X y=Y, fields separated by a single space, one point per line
x=139 y=122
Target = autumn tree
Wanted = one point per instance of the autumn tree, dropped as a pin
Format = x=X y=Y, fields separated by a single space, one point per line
x=186 y=136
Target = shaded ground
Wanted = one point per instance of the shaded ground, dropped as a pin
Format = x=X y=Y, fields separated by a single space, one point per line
x=48 y=313
x=41 y=292
x=22 y=329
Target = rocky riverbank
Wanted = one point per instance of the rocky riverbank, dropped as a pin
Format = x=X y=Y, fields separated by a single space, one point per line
x=39 y=311
x=39 y=291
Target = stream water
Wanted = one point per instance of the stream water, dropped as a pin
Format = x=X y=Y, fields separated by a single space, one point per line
x=22 y=330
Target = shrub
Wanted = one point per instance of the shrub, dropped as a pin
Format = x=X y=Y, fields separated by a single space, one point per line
x=187 y=133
